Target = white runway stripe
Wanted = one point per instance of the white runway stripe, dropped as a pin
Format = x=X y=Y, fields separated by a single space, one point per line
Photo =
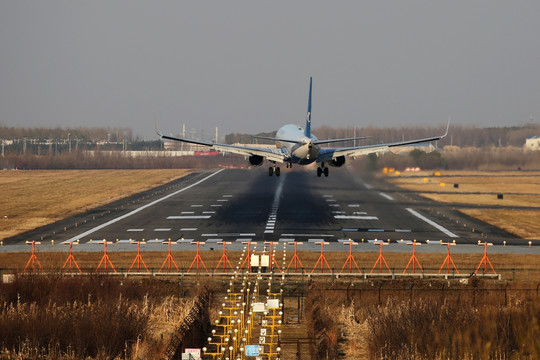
x=432 y=223
x=356 y=217
x=271 y=222
x=184 y=217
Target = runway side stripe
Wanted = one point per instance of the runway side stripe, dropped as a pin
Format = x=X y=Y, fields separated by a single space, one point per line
x=432 y=223
x=99 y=227
x=386 y=196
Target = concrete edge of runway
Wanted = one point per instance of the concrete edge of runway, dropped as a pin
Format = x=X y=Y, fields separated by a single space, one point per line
x=434 y=248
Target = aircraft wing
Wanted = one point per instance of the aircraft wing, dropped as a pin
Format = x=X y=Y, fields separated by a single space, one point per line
x=329 y=154
x=270 y=154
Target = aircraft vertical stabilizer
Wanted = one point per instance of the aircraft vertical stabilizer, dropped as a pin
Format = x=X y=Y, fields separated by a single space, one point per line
x=307 y=131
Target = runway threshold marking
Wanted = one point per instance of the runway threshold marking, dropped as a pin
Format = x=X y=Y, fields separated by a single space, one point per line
x=432 y=223
x=99 y=227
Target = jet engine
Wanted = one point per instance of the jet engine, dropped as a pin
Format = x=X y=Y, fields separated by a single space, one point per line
x=256 y=160
x=337 y=162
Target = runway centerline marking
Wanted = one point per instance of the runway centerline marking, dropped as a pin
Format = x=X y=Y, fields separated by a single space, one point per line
x=432 y=223
x=185 y=217
x=99 y=227
x=271 y=222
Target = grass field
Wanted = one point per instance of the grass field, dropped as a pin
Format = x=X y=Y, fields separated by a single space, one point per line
x=520 y=190
x=35 y=198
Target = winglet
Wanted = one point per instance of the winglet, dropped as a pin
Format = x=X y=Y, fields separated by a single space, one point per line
x=155 y=127
x=307 y=131
x=447 y=127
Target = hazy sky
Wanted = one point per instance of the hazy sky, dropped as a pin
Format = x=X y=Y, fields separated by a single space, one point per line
x=244 y=66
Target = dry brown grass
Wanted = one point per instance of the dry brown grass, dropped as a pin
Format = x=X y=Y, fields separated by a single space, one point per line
x=514 y=183
x=50 y=317
x=433 y=319
x=481 y=188
x=523 y=223
x=35 y=198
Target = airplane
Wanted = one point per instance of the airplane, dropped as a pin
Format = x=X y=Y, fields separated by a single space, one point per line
x=296 y=145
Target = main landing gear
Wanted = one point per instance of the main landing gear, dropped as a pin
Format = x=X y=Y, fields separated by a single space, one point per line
x=322 y=170
x=274 y=169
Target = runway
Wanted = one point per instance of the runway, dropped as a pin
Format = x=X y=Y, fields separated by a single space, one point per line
x=236 y=205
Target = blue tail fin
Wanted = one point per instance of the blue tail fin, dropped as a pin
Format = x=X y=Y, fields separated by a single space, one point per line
x=307 y=131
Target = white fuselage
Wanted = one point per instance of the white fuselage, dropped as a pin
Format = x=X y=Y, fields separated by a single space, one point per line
x=299 y=147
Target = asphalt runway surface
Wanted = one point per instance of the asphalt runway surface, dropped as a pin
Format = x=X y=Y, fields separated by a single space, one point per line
x=236 y=205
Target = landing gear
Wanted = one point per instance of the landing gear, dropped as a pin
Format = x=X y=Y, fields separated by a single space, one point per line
x=322 y=170
x=289 y=165
x=274 y=169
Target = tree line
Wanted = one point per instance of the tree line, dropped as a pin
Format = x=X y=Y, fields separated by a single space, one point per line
x=473 y=148
x=459 y=135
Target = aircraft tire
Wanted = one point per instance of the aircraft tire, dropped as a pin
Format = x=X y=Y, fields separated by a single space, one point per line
x=326 y=172
x=270 y=171
x=277 y=171
x=319 y=172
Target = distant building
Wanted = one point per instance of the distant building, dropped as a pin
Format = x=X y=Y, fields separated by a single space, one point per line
x=532 y=143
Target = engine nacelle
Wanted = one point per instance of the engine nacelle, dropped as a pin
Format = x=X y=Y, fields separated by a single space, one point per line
x=337 y=162
x=256 y=160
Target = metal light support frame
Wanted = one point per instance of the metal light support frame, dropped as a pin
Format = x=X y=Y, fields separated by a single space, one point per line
x=224 y=257
x=33 y=258
x=380 y=259
x=71 y=259
x=169 y=259
x=138 y=259
x=105 y=259
x=485 y=259
x=322 y=258
x=448 y=259
x=413 y=259
x=197 y=257
x=296 y=259
x=350 y=259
